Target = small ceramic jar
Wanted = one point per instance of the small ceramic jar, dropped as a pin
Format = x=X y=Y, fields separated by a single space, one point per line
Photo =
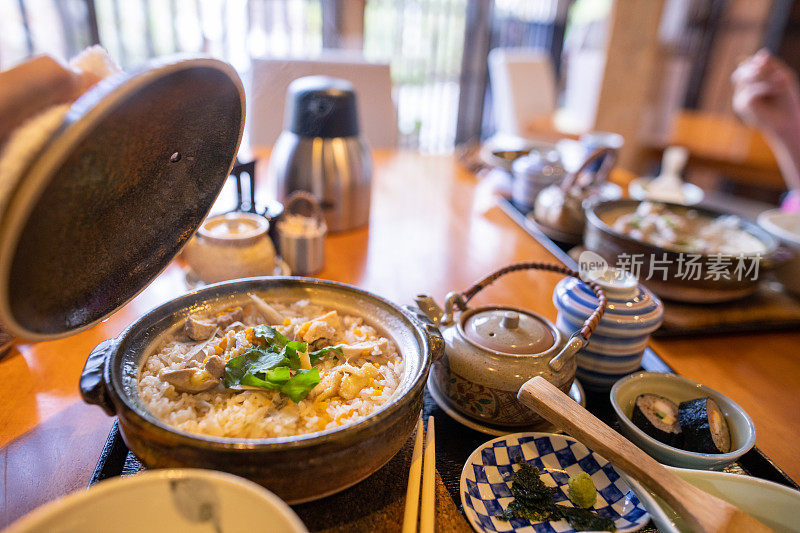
x=230 y=246
x=532 y=173
x=616 y=347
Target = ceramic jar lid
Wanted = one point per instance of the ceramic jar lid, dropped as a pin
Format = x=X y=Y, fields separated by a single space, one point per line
x=508 y=330
x=233 y=228
x=543 y=167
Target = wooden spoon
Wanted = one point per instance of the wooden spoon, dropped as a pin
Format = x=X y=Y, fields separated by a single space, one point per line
x=702 y=511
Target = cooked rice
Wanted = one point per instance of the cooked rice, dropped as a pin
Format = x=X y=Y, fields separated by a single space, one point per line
x=264 y=414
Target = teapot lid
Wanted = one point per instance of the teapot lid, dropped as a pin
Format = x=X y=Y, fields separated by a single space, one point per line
x=539 y=162
x=508 y=330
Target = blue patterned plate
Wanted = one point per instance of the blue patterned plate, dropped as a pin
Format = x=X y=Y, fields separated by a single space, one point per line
x=486 y=482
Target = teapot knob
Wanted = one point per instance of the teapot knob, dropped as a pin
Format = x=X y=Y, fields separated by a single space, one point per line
x=510 y=320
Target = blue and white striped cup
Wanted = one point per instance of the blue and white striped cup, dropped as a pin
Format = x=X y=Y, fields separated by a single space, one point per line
x=615 y=348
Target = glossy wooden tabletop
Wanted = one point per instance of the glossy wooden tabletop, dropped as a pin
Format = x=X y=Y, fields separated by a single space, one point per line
x=433 y=228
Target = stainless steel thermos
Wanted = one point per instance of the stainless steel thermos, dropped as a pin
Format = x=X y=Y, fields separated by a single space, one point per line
x=320 y=151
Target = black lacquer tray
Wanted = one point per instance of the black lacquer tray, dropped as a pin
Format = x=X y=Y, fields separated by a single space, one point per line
x=454 y=444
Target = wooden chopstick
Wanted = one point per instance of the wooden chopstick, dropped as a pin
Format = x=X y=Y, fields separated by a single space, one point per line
x=428 y=480
x=412 y=492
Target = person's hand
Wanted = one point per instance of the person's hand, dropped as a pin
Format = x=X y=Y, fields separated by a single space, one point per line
x=35 y=85
x=766 y=95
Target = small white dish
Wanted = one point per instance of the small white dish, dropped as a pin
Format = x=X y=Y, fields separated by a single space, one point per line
x=774 y=505
x=690 y=194
x=576 y=392
x=486 y=482
x=186 y=500
x=680 y=389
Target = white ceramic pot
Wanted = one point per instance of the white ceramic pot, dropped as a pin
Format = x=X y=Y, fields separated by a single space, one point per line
x=230 y=246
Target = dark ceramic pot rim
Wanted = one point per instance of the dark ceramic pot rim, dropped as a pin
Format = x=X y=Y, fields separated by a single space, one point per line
x=116 y=397
x=593 y=218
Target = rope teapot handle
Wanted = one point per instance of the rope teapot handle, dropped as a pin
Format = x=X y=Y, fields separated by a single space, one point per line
x=461 y=299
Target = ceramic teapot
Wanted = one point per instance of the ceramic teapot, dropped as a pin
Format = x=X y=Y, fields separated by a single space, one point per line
x=560 y=206
x=491 y=351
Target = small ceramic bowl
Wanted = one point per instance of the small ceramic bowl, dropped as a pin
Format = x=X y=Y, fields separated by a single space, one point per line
x=679 y=389
x=772 y=504
x=487 y=476
x=187 y=500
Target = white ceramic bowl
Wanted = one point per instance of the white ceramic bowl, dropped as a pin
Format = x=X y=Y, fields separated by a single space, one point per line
x=774 y=505
x=786 y=228
x=185 y=500
x=679 y=389
x=692 y=194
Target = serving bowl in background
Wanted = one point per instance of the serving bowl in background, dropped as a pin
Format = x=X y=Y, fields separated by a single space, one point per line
x=186 y=500
x=611 y=245
x=679 y=389
x=786 y=228
x=297 y=468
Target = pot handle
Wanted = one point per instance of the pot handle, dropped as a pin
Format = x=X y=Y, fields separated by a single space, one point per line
x=92 y=383
x=609 y=159
x=435 y=339
x=577 y=341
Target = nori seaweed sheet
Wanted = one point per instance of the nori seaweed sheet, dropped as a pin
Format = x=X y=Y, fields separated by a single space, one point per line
x=696 y=428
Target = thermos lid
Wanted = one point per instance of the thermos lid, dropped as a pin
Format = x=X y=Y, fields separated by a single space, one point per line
x=508 y=330
x=321 y=106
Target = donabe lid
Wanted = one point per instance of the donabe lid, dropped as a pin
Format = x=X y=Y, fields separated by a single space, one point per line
x=321 y=106
x=115 y=193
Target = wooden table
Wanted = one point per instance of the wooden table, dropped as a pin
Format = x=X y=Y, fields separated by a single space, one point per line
x=724 y=145
x=431 y=231
x=718 y=143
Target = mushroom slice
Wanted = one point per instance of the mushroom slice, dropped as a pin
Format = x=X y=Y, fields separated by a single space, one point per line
x=193 y=354
x=198 y=328
x=231 y=317
x=215 y=366
x=269 y=312
x=364 y=347
x=190 y=380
